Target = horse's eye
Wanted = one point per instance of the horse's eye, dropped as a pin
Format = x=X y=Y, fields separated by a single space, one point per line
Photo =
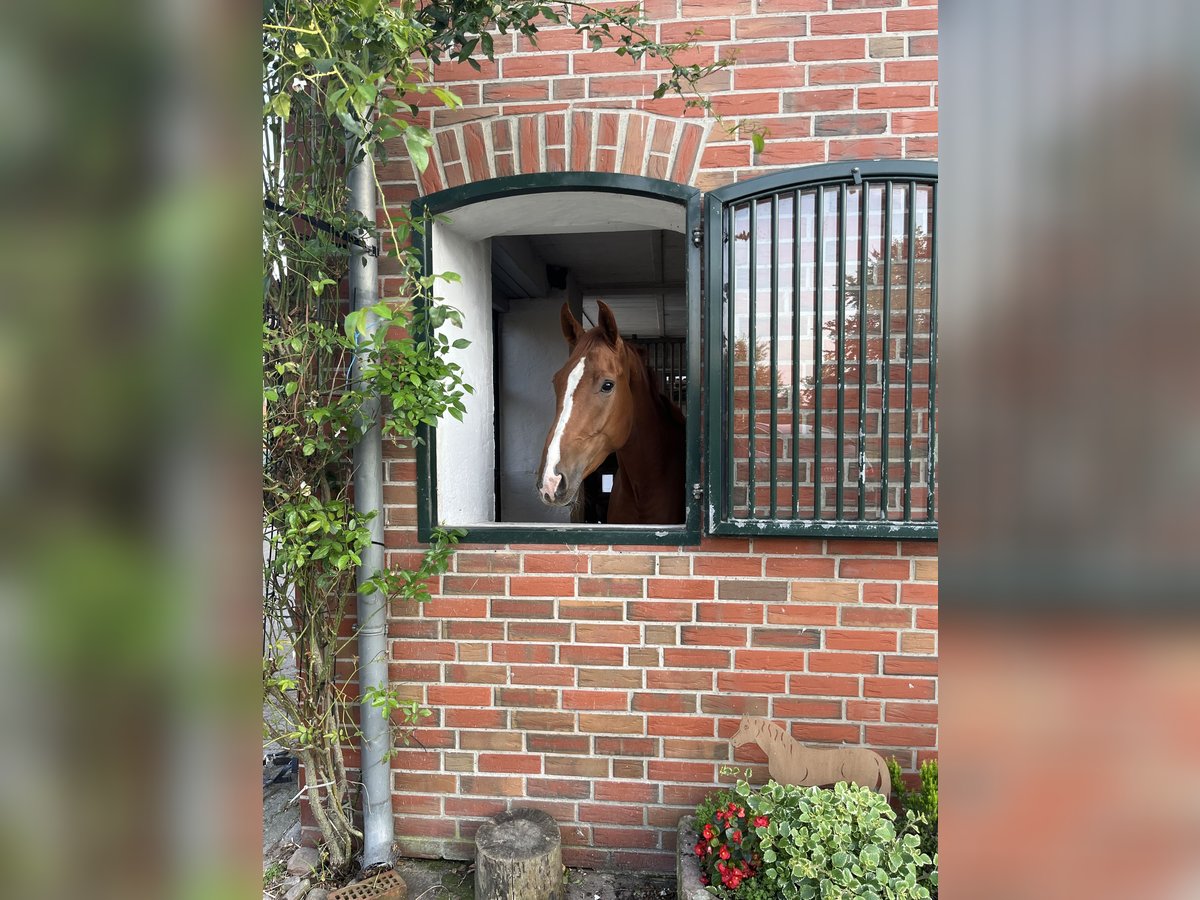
x=606 y=387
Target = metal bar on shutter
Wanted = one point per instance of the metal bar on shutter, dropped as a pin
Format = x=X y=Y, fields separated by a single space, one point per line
x=886 y=354
x=731 y=359
x=794 y=396
x=841 y=349
x=929 y=474
x=908 y=349
x=752 y=357
x=774 y=380
x=818 y=325
x=864 y=241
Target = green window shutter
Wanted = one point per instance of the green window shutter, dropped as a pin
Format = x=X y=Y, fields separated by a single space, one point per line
x=820 y=352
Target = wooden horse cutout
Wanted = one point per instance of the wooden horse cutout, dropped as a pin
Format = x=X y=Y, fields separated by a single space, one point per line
x=791 y=762
x=609 y=402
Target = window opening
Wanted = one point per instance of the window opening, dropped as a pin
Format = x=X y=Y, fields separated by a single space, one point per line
x=525 y=247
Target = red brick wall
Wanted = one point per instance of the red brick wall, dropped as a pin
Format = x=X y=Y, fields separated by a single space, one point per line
x=601 y=683
x=830 y=79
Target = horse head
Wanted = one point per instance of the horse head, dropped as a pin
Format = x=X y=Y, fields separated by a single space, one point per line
x=746 y=733
x=594 y=407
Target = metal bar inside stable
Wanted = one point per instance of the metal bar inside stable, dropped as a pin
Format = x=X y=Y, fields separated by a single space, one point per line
x=864 y=241
x=794 y=396
x=771 y=386
x=676 y=371
x=929 y=474
x=886 y=355
x=908 y=349
x=730 y=219
x=841 y=349
x=818 y=326
x=752 y=359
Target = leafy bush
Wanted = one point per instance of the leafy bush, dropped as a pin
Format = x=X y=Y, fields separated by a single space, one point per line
x=919 y=806
x=801 y=843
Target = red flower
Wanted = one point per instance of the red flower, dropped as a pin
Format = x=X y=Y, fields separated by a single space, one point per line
x=703 y=878
x=731 y=807
x=699 y=848
x=708 y=832
x=761 y=821
x=741 y=812
x=724 y=854
x=721 y=867
x=737 y=837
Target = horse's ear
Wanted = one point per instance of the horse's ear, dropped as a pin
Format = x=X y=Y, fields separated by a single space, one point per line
x=608 y=323
x=571 y=328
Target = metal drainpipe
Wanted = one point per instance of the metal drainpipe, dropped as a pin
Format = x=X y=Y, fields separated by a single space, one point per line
x=378 y=826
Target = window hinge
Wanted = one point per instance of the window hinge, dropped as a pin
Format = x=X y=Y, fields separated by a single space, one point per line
x=857 y=173
x=697 y=492
x=697 y=237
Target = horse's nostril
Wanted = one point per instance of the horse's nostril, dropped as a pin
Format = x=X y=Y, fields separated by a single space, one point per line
x=561 y=490
x=551 y=488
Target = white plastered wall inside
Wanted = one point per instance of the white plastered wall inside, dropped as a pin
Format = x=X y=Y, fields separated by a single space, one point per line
x=466 y=450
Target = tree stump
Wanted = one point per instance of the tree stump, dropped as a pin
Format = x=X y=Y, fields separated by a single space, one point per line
x=518 y=856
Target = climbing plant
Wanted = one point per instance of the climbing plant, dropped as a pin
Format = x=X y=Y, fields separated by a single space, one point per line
x=340 y=83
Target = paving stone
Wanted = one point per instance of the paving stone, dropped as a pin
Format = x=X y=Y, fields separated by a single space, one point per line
x=303 y=861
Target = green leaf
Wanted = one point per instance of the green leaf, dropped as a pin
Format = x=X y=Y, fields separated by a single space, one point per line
x=757 y=141
x=418 y=152
x=461 y=344
x=281 y=104
x=449 y=98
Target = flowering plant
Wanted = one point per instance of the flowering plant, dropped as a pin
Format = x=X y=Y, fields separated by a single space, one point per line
x=783 y=842
x=728 y=845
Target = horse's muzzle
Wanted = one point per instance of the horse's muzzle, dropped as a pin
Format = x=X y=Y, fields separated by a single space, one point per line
x=553 y=490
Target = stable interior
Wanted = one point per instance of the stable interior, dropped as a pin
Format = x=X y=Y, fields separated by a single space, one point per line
x=520 y=261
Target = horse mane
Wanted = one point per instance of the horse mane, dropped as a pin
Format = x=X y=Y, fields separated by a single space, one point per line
x=767 y=727
x=669 y=409
x=666 y=406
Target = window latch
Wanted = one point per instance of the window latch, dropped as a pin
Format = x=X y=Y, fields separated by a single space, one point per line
x=857 y=173
x=697 y=492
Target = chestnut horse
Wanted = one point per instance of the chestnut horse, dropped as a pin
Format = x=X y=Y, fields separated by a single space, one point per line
x=609 y=403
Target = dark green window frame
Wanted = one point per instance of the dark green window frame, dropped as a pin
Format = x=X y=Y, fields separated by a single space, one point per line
x=720 y=405
x=687 y=197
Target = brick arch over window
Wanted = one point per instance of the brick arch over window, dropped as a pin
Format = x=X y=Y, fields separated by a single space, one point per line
x=593 y=140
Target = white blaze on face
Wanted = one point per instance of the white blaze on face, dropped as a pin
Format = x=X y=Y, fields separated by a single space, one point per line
x=550 y=476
